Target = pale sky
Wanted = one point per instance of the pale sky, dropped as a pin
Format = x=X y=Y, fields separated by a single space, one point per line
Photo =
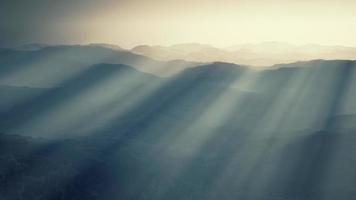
x=165 y=22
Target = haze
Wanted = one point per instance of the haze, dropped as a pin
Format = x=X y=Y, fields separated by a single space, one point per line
x=165 y=22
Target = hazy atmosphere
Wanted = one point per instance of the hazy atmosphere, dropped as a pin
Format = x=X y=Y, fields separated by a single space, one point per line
x=177 y=100
x=165 y=22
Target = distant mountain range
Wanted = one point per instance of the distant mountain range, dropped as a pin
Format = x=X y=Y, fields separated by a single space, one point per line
x=263 y=54
x=97 y=122
x=55 y=63
x=57 y=74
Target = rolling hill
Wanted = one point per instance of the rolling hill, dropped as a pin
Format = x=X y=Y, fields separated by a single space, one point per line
x=96 y=130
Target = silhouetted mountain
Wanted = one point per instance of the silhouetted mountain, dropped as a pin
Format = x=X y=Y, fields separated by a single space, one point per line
x=263 y=54
x=12 y=95
x=191 y=52
x=304 y=167
x=50 y=65
x=212 y=131
x=31 y=47
x=109 y=46
x=314 y=84
x=112 y=79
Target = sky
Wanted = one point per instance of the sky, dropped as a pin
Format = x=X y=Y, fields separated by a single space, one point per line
x=165 y=22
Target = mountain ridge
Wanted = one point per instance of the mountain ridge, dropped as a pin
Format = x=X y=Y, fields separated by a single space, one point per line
x=258 y=55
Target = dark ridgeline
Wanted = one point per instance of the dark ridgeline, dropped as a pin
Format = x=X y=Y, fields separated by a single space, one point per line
x=109 y=131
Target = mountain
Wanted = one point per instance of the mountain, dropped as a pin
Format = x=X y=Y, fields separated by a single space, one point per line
x=52 y=64
x=82 y=92
x=31 y=47
x=211 y=131
x=105 y=45
x=191 y=52
x=262 y=54
x=325 y=88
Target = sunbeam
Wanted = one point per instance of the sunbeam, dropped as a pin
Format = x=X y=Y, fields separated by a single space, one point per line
x=109 y=130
